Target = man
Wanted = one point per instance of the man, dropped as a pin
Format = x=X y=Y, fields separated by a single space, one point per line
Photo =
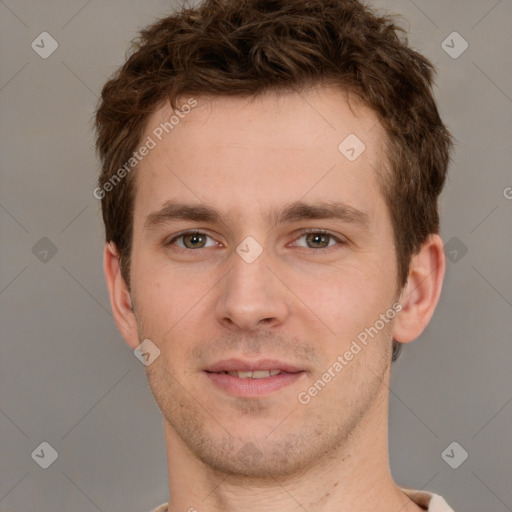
x=271 y=171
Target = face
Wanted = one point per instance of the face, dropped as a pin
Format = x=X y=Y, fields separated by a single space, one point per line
x=239 y=265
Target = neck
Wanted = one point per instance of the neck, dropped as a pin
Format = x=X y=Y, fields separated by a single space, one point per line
x=354 y=477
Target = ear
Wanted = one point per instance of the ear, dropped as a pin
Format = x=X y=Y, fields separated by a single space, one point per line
x=421 y=293
x=120 y=300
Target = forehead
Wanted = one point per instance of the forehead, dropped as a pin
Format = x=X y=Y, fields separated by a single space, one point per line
x=278 y=148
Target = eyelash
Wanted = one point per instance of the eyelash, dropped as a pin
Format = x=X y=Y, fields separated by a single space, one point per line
x=302 y=233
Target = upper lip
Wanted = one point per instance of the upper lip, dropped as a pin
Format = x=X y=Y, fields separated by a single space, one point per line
x=231 y=365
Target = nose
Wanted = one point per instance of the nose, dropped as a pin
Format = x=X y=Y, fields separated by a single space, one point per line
x=252 y=296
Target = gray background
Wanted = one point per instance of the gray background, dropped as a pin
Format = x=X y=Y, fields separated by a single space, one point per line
x=68 y=378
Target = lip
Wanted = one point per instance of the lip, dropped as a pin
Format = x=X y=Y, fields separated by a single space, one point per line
x=231 y=365
x=252 y=388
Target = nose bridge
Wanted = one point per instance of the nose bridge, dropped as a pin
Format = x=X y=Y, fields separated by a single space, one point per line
x=251 y=294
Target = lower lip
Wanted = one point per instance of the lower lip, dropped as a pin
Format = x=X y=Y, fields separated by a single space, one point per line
x=251 y=388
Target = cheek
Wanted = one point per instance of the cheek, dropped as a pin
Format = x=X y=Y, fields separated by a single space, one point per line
x=168 y=313
x=347 y=297
x=164 y=298
x=166 y=287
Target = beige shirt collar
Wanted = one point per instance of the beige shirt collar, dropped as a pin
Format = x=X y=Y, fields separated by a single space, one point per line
x=428 y=500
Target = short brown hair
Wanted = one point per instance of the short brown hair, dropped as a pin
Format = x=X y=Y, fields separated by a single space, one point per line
x=248 y=47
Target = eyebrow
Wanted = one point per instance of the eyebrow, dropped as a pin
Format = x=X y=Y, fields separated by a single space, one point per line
x=293 y=212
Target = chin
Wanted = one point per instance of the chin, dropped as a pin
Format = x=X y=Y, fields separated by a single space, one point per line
x=253 y=460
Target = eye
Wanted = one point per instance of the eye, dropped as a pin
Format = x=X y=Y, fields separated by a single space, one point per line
x=314 y=238
x=319 y=239
x=191 y=240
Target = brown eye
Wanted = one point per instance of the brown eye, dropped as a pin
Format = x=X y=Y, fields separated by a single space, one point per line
x=194 y=240
x=319 y=239
x=191 y=240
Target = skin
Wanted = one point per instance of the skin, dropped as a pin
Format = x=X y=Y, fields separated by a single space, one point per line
x=303 y=300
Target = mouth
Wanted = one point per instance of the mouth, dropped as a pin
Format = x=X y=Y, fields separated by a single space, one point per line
x=257 y=374
x=252 y=379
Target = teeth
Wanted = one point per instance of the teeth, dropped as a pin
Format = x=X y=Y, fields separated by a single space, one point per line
x=258 y=374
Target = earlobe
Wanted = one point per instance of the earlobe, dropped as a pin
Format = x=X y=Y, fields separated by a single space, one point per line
x=120 y=298
x=421 y=294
